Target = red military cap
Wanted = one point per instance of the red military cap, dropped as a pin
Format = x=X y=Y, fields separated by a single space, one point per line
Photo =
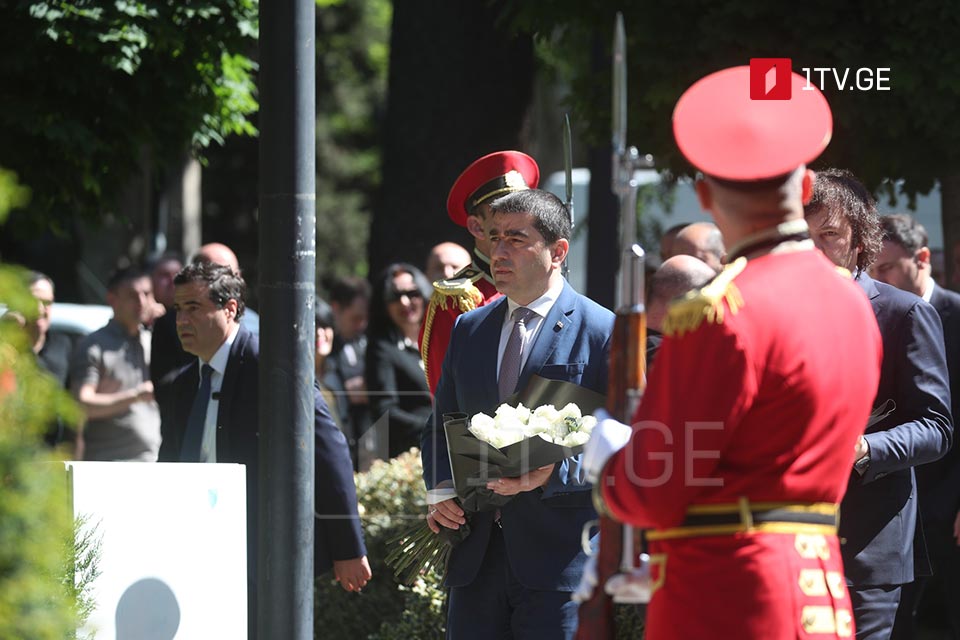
x=726 y=134
x=492 y=175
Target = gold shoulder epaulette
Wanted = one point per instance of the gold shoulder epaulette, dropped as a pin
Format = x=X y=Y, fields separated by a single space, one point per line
x=688 y=313
x=459 y=293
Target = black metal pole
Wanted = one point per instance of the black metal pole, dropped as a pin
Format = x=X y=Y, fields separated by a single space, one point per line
x=287 y=272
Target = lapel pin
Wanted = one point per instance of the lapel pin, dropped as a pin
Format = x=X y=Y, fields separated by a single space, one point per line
x=559 y=325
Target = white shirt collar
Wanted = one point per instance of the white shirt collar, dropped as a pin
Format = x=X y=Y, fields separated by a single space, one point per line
x=542 y=305
x=928 y=289
x=219 y=359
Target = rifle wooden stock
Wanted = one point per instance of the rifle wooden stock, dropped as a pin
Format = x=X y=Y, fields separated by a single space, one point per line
x=628 y=351
x=625 y=386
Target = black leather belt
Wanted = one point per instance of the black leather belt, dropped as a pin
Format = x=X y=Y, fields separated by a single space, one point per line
x=759 y=517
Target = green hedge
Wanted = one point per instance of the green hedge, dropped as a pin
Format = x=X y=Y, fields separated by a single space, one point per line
x=38 y=592
x=391 y=499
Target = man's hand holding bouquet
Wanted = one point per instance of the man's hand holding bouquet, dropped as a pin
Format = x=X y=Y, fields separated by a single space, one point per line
x=494 y=458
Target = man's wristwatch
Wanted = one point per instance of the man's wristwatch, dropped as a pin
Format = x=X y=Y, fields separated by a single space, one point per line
x=862 y=464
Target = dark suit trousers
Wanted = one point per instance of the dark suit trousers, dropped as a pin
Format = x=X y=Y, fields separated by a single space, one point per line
x=496 y=606
x=874 y=610
x=940 y=595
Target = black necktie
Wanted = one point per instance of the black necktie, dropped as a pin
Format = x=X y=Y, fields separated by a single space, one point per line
x=193 y=438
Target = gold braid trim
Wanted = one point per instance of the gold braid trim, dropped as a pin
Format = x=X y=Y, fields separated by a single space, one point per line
x=459 y=293
x=689 y=312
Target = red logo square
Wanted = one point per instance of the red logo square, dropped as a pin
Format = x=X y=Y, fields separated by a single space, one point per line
x=770 y=79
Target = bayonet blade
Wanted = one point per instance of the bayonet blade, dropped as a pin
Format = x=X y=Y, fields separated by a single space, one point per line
x=568 y=162
x=568 y=174
x=619 y=86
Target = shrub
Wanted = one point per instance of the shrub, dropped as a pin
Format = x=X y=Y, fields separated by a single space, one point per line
x=391 y=499
x=37 y=588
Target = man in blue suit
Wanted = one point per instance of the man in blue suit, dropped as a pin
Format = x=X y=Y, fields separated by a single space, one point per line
x=513 y=574
x=214 y=417
x=910 y=424
x=904 y=262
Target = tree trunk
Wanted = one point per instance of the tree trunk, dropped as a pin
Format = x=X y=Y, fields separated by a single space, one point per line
x=459 y=87
x=603 y=241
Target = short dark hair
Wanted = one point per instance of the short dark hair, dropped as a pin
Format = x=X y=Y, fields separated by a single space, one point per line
x=36 y=276
x=124 y=275
x=157 y=260
x=904 y=230
x=323 y=314
x=839 y=190
x=222 y=283
x=550 y=215
x=345 y=289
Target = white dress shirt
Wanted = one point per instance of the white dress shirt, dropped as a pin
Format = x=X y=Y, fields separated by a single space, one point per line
x=208 y=448
x=540 y=307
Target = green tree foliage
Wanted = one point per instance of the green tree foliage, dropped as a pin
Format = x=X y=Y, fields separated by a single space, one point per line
x=12 y=194
x=37 y=593
x=88 y=87
x=352 y=57
x=910 y=132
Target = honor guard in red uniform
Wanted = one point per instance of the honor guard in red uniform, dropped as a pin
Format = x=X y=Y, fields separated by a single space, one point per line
x=487 y=178
x=742 y=446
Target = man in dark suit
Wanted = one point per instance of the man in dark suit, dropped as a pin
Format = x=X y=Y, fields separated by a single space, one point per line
x=910 y=424
x=214 y=412
x=904 y=262
x=513 y=574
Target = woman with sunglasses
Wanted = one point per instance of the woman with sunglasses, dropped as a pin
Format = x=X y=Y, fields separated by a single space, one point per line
x=394 y=370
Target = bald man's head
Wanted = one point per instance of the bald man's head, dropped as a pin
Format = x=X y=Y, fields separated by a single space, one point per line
x=218 y=254
x=701 y=240
x=673 y=279
x=445 y=260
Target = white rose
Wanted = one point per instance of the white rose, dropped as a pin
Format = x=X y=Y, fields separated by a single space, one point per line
x=481 y=421
x=547 y=411
x=571 y=411
x=539 y=425
x=576 y=439
x=482 y=431
x=587 y=423
x=523 y=413
x=508 y=436
x=505 y=413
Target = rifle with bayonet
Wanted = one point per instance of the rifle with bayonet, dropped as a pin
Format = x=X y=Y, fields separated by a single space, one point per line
x=627 y=377
x=568 y=175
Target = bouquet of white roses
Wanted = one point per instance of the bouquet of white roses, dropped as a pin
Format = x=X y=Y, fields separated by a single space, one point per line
x=567 y=427
x=514 y=441
x=517 y=439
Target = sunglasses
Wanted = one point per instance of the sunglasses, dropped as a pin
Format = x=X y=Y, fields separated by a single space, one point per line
x=411 y=293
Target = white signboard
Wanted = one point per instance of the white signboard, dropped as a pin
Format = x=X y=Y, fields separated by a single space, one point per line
x=173 y=559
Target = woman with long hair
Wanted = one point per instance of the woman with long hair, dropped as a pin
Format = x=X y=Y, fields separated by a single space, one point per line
x=394 y=370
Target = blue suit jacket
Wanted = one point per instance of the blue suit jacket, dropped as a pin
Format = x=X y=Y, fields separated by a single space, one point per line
x=541 y=528
x=939 y=482
x=878 y=515
x=336 y=538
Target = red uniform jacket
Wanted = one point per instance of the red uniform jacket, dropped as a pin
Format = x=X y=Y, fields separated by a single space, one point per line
x=468 y=289
x=759 y=393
